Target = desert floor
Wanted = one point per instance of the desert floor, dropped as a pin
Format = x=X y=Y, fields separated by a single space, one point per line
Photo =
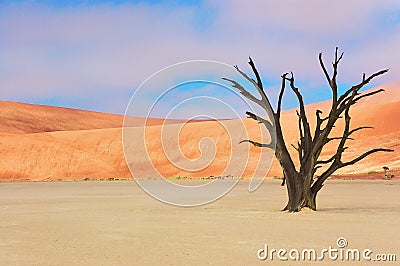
x=116 y=223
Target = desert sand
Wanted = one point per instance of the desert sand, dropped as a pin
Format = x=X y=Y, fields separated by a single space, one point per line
x=116 y=223
x=51 y=143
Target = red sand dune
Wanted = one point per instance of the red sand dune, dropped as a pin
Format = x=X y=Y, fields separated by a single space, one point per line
x=51 y=143
x=23 y=118
x=17 y=118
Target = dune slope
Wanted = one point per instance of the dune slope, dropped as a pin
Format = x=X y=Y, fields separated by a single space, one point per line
x=51 y=143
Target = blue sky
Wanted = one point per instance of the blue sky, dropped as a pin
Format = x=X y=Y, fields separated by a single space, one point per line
x=94 y=54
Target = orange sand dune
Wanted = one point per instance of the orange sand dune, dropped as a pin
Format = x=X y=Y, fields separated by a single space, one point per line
x=17 y=118
x=28 y=151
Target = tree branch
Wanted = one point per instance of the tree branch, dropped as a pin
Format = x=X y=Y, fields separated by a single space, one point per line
x=257 y=144
x=278 y=111
x=260 y=120
x=362 y=156
x=318 y=125
x=335 y=72
x=367 y=95
x=244 y=92
x=297 y=149
x=326 y=161
x=364 y=81
x=337 y=138
x=321 y=62
x=357 y=129
x=255 y=71
x=264 y=99
x=306 y=138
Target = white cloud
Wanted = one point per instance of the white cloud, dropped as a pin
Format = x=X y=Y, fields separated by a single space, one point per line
x=80 y=51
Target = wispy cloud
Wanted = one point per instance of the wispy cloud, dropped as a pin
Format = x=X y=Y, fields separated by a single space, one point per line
x=93 y=55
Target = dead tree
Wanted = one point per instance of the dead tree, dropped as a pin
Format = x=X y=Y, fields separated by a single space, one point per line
x=385 y=169
x=301 y=186
x=387 y=174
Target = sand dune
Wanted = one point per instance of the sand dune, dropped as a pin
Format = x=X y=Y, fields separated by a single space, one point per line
x=17 y=118
x=51 y=143
x=23 y=118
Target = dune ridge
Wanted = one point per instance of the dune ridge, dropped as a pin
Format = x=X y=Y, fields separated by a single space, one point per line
x=52 y=143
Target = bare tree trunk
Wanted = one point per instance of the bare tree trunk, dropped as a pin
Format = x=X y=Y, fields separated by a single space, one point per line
x=300 y=195
x=295 y=194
